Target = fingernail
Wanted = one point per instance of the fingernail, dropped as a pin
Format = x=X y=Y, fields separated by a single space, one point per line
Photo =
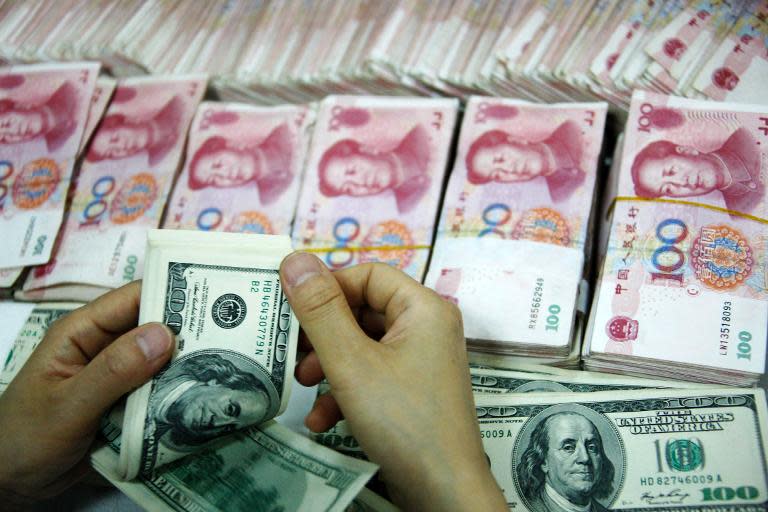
x=153 y=340
x=298 y=267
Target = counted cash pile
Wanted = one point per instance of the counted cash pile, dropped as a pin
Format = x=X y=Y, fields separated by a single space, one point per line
x=682 y=288
x=243 y=169
x=43 y=116
x=241 y=349
x=298 y=51
x=511 y=241
x=373 y=180
x=665 y=450
x=121 y=190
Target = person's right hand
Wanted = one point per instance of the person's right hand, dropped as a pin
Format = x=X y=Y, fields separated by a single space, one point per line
x=407 y=399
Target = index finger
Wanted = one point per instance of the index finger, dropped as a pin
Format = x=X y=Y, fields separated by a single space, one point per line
x=97 y=324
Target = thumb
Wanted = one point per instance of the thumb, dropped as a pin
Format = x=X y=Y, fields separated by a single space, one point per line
x=322 y=310
x=125 y=364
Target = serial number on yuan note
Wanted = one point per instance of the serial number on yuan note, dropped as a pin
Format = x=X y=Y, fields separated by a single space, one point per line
x=552 y=312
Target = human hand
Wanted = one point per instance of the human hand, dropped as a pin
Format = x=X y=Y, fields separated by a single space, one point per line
x=50 y=412
x=407 y=399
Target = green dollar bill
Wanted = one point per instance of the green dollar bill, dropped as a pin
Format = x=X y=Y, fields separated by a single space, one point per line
x=266 y=468
x=686 y=450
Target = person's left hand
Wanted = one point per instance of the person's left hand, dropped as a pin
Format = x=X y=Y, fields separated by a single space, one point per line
x=50 y=413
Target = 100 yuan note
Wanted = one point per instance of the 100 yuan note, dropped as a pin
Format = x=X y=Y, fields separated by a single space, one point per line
x=243 y=169
x=685 y=277
x=668 y=450
x=510 y=243
x=123 y=185
x=43 y=111
x=232 y=365
x=372 y=184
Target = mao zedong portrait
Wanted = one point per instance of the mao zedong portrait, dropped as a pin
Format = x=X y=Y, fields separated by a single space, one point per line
x=348 y=168
x=221 y=163
x=201 y=398
x=564 y=468
x=663 y=168
x=119 y=136
x=54 y=119
x=498 y=157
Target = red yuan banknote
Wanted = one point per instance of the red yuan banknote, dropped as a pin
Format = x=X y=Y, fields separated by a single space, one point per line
x=373 y=180
x=43 y=111
x=243 y=169
x=123 y=185
x=512 y=233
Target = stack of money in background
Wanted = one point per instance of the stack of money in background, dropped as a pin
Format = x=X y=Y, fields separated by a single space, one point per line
x=294 y=51
x=516 y=221
x=373 y=180
x=682 y=288
x=243 y=169
x=121 y=191
x=44 y=112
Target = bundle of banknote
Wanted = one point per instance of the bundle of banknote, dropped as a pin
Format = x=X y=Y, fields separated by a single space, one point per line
x=121 y=191
x=670 y=450
x=683 y=286
x=298 y=51
x=373 y=180
x=517 y=378
x=269 y=466
x=243 y=169
x=43 y=114
x=221 y=294
x=516 y=220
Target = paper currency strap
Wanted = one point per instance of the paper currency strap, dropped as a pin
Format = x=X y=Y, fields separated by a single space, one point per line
x=734 y=213
x=367 y=248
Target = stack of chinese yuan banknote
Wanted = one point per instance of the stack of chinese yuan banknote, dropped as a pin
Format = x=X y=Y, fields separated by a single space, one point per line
x=682 y=288
x=298 y=51
x=357 y=179
x=515 y=224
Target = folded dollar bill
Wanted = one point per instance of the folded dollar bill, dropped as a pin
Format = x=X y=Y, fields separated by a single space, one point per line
x=260 y=468
x=232 y=366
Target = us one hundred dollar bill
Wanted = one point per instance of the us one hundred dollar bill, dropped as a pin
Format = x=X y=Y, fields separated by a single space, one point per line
x=260 y=468
x=232 y=365
x=526 y=378
x=494 y=381
x=32 y=333
x=686 y=450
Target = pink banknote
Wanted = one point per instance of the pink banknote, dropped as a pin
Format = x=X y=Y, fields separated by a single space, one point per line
x=739 y=66
x=685 y=275
x=515 y=217
x=373 y=179
x=102 y=93
x=243 y=169
x=123 y=184
x=43 y=110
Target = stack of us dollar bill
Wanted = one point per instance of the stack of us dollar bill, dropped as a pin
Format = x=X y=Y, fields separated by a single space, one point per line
x=559 y=440
x=200 y=435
